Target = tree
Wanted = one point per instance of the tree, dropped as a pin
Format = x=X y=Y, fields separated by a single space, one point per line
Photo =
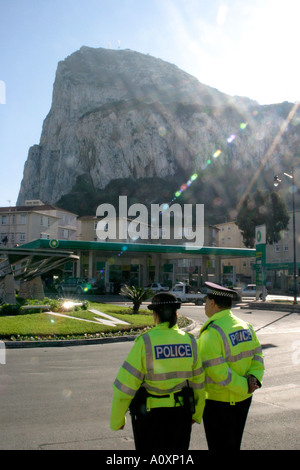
x=261 y=208
x=136 y=294
x=278 y=219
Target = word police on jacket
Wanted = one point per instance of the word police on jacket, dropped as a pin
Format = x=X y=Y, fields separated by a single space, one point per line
x=169 y=351
x=240 y=337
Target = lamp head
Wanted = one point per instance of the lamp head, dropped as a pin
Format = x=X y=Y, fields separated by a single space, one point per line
x=276 y=181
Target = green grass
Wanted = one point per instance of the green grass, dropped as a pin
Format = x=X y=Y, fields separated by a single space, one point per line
x=42 y=326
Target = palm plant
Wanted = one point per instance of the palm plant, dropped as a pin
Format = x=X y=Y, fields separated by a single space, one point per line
x=136 y=294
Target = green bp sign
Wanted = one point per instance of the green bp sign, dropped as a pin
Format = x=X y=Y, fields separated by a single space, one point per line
x=53 y=243
x=260 y=234
x=260 y=241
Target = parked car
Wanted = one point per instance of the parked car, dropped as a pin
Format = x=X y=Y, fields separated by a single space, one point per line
x=186 y=293
x=157 y=287
x=250 y=291
x=75 y=286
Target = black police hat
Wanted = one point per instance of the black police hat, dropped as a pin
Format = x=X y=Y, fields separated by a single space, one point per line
x=164 y=299
x=215 y=289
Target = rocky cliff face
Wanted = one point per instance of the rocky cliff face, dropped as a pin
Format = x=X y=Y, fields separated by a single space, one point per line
x=121 y=115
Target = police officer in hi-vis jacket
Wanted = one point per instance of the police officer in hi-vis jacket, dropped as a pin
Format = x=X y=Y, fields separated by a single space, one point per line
x=234 y=367
x=161 y=382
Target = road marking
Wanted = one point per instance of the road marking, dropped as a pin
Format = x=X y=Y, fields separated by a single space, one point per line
x=109 y=320
x=270 y=330
x=70 y=317
x=109 y=317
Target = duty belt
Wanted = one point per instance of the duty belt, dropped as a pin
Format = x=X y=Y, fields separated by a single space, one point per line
x=144 y=401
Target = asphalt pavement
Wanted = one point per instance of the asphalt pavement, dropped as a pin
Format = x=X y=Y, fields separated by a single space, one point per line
x=59 y=398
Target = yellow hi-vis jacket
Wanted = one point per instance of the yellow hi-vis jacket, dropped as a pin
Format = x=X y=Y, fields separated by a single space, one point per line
x=161 y=360
x=230 y=351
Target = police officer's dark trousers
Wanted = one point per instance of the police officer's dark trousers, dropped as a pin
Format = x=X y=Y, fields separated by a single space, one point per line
x=224 y=424
x=162 y=430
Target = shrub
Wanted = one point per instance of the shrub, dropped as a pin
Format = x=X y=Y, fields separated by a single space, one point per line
x=10 y=309
x=136 y=294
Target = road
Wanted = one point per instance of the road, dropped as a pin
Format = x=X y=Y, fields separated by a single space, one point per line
x=60 y=398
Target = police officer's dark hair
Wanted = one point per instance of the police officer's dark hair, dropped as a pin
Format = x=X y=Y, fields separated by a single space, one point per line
x=221 y=301
x=166 y=306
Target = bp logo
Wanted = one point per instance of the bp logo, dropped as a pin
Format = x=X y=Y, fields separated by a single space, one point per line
x=53 y=243
x=258 y=236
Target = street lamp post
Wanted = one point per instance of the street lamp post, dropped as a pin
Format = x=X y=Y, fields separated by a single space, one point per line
x=276 y=183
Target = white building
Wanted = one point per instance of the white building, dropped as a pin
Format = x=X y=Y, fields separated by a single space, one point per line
x=34 y=220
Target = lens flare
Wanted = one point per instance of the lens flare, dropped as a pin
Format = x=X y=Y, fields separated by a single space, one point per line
x=66 y=393
x=231 y=138
x=217 y=153
x=203 y=166
x=162 y=131
x=68 y=305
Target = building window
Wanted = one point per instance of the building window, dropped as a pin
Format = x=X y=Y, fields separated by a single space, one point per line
x=286 y=248
x=23 y=219
x=22 y=237
x=277 y=248
x=3 y=220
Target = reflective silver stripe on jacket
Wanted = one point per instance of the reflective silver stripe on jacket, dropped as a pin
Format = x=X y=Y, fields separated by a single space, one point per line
x=171 y=375
x=149 y=355
x=258 y=358
x=194 y=348
x=133 y=371
x=123 y=388
x=224 y=338
x=223 y=383
x=176 y=388
x=213 y=362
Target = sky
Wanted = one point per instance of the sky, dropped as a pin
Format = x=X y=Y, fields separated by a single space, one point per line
x=241 y=47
